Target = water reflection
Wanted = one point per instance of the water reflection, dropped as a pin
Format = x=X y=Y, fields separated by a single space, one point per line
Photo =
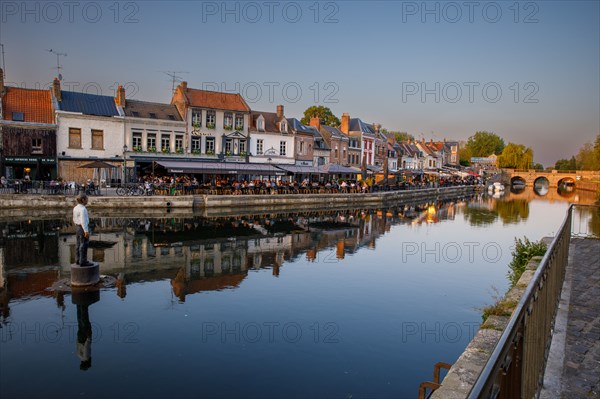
x=197 y=254
x=541 y=186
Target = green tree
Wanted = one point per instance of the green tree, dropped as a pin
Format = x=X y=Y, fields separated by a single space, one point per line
x=516 y=156
x=327 y=117
x=483 y=144
x=538 y=166
x=586 y=158
x=566 y=164
x=464 y=154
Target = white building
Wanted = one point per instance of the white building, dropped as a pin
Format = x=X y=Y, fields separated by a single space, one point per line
x=271 y=140
x=217 y=123
x=90 y=128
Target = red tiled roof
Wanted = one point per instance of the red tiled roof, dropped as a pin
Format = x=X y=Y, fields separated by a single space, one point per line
x=216 y=100
x=36 y=105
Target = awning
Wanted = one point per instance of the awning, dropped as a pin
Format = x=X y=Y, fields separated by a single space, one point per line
x=333 y=168
x=229 y=168
x=297 y=169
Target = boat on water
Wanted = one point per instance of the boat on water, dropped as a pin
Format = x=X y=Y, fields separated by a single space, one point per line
x=497 y=187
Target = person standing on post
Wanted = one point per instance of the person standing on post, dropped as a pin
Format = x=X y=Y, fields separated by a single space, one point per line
x=82 y=223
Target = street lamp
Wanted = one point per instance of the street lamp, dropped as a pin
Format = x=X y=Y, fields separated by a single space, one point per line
x=124 y=164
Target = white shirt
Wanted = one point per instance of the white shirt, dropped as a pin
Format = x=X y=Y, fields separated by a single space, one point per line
x=80 y=216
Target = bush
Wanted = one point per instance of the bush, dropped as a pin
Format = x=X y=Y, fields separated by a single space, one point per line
x=524 y=251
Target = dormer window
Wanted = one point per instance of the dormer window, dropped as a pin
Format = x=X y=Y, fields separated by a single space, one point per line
x=260 y=124
x=18 y=116
x=283 y=127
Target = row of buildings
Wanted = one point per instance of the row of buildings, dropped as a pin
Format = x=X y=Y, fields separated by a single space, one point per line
x=55 y=133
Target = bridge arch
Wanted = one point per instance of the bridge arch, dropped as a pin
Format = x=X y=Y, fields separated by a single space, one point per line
x=541 y=185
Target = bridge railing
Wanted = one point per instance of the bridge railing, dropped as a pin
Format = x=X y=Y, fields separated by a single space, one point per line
x=516 y=367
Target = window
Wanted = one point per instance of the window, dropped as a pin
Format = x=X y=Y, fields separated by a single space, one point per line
x=165 y=142
x=196 y=117
x=336 y=152
x=171 y=117
x=136 y=141
x=283 y=127
x=261 y=124
x=242 y=146
x=151 y=142
x=196 y=144
x=211 y=118
x=36 y=146
x=152 y=115
x=301 y=148
x=259 y=146
x=178 y=143
x=18 y=116
x=228 y=121
x=97 y=139
x=74 y=138
x=228 y=143
x=282 y=148
x=210 y=145
x=239 y=122
x=135 y=114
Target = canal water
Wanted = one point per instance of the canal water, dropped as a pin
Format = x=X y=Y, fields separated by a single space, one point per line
x=284 y=303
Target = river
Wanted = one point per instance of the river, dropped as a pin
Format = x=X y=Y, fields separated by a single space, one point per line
x=336 y=303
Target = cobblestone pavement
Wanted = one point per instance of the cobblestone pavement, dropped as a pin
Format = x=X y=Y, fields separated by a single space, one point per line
x=581 y=372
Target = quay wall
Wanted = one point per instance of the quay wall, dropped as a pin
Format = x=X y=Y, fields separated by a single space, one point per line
x=25 y=202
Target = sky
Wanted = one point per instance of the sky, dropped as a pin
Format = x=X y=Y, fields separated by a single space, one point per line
x=527 y=71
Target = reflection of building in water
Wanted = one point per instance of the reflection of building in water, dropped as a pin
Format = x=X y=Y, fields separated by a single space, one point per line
x=196 y=254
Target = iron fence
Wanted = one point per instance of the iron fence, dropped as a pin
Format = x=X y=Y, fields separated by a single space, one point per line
x=516 y=367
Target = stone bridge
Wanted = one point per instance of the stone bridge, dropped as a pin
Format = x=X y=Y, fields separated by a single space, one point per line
x=554 y=177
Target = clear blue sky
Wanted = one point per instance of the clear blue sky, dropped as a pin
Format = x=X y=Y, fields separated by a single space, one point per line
x=371 y=59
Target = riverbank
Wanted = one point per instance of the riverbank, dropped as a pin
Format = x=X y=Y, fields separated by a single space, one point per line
x=24 y=201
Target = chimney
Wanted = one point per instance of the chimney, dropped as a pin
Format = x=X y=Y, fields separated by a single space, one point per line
x=279 y=111
x=345 y=128
x=1 y=81
x=377 y=127
x=430 y=141
x=183 y=86
x=120 y=99
x=315 y=122
x=56 y=89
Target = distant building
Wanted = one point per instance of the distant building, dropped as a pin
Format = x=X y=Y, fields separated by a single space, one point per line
x=218 y=122
x=271 y=140
x=90 y=128
x=27 y=133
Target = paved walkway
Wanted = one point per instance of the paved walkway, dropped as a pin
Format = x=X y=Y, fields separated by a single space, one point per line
x=573 y=369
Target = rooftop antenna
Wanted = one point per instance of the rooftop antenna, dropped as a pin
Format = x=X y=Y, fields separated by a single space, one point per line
x=3 y=66
x=58 y=66
x=174 y=78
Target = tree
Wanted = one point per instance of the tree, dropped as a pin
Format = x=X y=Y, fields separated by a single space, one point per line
x=566 y=164
x=516 y=156
x=398 y=136
x=586 y=159
x=327 y=117
x=464 y=154
x=483 y=144
x=538 y=166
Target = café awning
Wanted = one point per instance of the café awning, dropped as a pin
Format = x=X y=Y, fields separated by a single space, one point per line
x=225 y=168
x=299 y=169
x=333 y=168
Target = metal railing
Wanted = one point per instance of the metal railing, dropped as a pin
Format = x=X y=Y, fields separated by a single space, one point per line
x=516 y=367
x=49 y=188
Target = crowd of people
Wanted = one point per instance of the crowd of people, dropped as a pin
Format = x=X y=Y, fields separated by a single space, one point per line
x=184 y=184
x=187 y=185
